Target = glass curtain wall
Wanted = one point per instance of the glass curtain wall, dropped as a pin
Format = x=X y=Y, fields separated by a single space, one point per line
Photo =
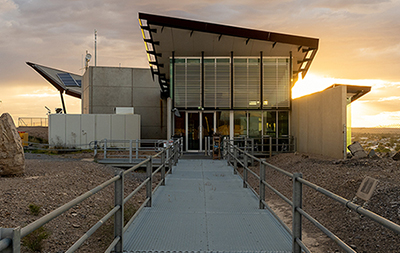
x=217 y=83
x=246 y=82
x=276 y=82
x=255 y=124
x=187 y=83
x=240 y=123
x=269 y=122
x=223 y=118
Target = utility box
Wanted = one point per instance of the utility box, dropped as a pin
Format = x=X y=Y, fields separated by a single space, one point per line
x=124 y=110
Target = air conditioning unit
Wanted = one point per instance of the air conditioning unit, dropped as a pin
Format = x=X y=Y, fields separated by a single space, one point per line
x=124 y=110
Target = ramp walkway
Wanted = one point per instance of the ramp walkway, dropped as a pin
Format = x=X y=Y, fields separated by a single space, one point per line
x=204 y=207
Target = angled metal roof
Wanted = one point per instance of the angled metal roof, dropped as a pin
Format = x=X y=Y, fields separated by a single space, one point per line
x=164 y=36
x=354 y=92
x=55 y=77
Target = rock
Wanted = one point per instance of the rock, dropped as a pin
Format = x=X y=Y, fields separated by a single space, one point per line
x=357 y=150
x=372 y=154
x=12 y=159
x=396 y=156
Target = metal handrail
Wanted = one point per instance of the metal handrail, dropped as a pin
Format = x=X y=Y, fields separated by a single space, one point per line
x=169 y=156
x=233 y=153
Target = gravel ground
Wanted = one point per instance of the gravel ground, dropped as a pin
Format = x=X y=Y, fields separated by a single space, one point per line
x=51 y=181
x=342 y=177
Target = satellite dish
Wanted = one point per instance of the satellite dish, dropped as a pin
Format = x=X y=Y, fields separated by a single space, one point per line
x=88 y=57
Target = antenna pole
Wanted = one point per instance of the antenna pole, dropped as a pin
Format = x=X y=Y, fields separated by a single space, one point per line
x=95 y=47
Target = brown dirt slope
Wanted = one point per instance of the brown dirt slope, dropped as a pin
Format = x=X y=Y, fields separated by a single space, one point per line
x=342 y=177
x=50 y=182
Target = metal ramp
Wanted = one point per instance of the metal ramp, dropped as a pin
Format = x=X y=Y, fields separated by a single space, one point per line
x=203 y=207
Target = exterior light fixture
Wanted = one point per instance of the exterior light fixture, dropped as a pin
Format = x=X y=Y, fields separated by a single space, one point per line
x=254 y=103
x=265 y=102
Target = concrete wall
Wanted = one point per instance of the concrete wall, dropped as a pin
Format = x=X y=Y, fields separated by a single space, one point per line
x=78 y=130
x=105 y=88
x=317 y=122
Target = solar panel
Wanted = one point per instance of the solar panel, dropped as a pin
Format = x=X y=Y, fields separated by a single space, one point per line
x=67 y=80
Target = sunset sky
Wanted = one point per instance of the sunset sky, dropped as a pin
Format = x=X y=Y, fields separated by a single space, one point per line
x=359 y=44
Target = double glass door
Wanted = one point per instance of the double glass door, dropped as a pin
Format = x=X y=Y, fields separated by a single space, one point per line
x=199 y=125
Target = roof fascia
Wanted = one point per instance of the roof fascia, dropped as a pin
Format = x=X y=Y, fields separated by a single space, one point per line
x=229 y=30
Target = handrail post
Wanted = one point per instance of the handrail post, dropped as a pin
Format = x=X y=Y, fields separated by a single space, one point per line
x=262 y=185
x=176 y=151
x=149 y=171
x=181 y=144
x=270 y=146
x=105 y=148
x=130 y=151
x=95 y=148
x=245 y=169
x=137 y=148
x=206 y=146
x=119 y=215
x=252 y=151
x=228 y=154
x=297 y=203
x=14 y=237
x=169 y=155
x=234 y=160
x=163 y=168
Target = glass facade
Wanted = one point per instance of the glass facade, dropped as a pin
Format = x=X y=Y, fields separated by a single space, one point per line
x=255 y=124
x=269 y=123
x=187 y=82
x=222 y=122
x=233 y=97
x=217 y=83
x=212 y=82
x=240 y=123
x=276 y=83
x=246 y=83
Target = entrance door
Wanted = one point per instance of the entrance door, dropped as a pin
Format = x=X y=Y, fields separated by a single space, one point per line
x=193 y=133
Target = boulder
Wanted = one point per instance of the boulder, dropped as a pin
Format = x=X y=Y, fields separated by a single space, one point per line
x=357 y=150
x=372 y=154
x=396 y=156
x=12 y=159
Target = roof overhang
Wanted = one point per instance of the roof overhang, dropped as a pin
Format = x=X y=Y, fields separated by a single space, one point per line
x=166 y=36
x=52 y=76
x=354 y=92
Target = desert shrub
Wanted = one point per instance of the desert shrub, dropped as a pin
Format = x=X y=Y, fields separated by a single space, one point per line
x=35 y=240
x=34 y=209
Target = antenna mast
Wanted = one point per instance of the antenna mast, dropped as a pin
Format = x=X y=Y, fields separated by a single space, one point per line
x=95 y=47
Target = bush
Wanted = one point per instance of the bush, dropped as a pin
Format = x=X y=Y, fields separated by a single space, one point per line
x=35 y=209
x=34 y=241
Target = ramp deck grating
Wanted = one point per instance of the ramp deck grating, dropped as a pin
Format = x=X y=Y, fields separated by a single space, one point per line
x=203 y=208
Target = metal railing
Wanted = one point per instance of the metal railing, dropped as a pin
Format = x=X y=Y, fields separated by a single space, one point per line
x=10 y=238
x=24 y=121
x=130 y=149
x=237 y=156
x=265 y=145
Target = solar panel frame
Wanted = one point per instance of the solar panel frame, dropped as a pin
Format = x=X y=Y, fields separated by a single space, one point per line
x=67 y=80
